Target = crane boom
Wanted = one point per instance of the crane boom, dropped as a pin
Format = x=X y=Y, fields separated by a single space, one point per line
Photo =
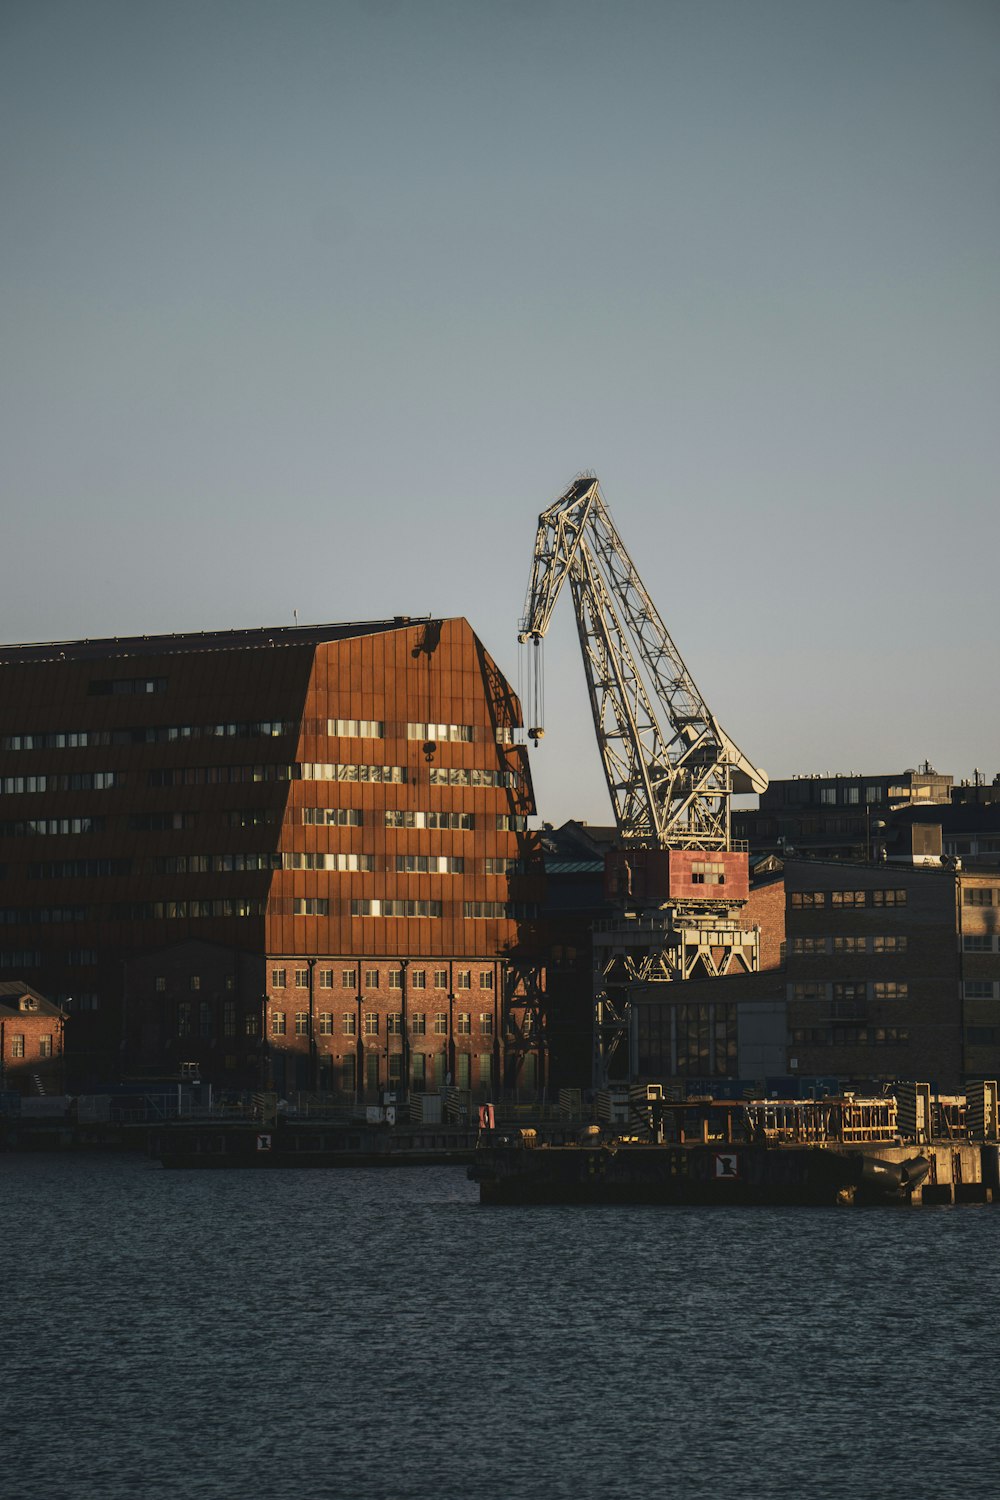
x=669 y=766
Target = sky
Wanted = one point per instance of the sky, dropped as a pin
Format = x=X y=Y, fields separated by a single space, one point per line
x=309 y=307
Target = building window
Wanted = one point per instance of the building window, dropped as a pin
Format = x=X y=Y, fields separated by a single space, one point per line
x=301 y=979
x=349 y=1023
x=463 y=1023
x=326 y=1023
x=891 y=943
x=278 y=1023
x=250 y=1026
x=355 y=729
x=394 y=1023
x=371 y=1023
x=326 y=979
x=337 y=817
x=45 y=1046
x=371 y=979
x=977 y=895
x=301 y=1023
x=418 y=1022
x=486 y=1023
x=229 y=1018
x=462 y=1070
x=195 y=982
x=485 y=1069
x=847 y=898
x=811 y=990
x=418 y=979
x=463 y=979
x=848 y=945
x=17 y=1045
x=441 y=1023
x=184 y=1019
x=808 y=945
x=803 y=899
x=278 y=979
x=852 y=990
x=395 y=979
x=486 y=979
x=348 y=978
x=429 y=864
x=310 y=906
x=977 y=944
x=390 y=907
x=890 y=990
x=978 y=989
x=457 y=732
x=440 y=979
x=889 y=898
x=982 y=1036
x=161 y=984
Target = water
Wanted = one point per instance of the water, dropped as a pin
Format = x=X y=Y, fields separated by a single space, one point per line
x=368 y=1334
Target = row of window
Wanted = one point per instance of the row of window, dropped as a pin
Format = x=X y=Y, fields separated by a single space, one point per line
x=152 y=734
x=802 y=900
x=323 y=817
x=17 y=1049
x=128 y=687
x=877 y=943
x=133 y=911
x=980 y=895
x=855 y=989
x=371 y=1021
x=800 y=790
x=363 y=729
x=984 y=942
x=296 y=771
x=506 y=911
x=850 y=1036
x=76 y=781
x=349 y=977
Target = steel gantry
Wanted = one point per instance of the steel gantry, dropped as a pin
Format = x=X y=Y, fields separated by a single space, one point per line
x=670 y=768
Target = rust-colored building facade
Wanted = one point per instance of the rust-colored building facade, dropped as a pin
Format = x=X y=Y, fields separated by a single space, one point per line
x=292 y=856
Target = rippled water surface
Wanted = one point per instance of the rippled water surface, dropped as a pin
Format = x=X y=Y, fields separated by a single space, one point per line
x=367 y=1334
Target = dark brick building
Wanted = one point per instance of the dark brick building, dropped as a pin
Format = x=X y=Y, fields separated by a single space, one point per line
x=893 y=972
x=297 y=854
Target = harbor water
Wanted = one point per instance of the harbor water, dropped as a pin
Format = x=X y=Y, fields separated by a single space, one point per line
x=362 y=1334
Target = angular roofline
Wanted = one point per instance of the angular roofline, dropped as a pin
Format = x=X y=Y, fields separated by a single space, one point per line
x=258 y=638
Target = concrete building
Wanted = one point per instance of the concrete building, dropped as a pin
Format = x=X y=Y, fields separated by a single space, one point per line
x=836 y=816
x=289 y=855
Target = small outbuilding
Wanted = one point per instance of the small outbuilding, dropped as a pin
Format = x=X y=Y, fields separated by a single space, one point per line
x=31 y=1041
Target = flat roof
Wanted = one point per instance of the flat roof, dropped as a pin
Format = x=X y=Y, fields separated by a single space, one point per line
x=263 y=636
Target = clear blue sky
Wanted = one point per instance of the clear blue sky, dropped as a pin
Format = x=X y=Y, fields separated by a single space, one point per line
x=314 y=306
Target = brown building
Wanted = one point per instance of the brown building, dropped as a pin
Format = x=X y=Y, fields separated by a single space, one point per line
x=893 y=972
x=836 y=816
x=297 y=855
x=31 y=1041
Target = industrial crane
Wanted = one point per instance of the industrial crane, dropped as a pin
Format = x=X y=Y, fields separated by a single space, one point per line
x=670 y=770
x=670 y=774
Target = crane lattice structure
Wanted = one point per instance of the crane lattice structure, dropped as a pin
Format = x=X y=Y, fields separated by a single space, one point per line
x=669 y=767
